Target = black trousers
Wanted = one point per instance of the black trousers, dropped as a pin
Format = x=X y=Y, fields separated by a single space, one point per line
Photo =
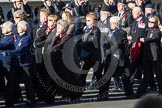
x=138 y=68
x=12 y=88
x=86 y=66
x=43 y=84
x=2 y=80
x=16 y=75
x=118 y=72
x=65 y=75
x=148 y=67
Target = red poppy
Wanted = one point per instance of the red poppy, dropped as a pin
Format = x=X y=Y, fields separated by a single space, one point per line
x=124 y=16
x=15 y=37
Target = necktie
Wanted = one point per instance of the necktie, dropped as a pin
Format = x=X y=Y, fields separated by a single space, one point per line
x=119 y=14
x=134 y=27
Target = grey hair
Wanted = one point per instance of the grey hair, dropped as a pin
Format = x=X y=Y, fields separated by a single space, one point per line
x=23 y=24
x=138 y=9
x=20 y=13
x=8 y=25
x=64 y=23
x=115 y=19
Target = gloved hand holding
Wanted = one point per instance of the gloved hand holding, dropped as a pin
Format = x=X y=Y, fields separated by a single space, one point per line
x=4 y=53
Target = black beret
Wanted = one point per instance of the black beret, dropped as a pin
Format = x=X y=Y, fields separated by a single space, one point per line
x=149 y=6
x=130 y=1
x=122 y=1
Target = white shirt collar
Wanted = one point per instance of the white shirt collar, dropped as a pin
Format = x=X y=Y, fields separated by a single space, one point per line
x=139 y=19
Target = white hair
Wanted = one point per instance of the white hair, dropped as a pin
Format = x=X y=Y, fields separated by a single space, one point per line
x=23 y=24
x=8 y=25
x=138 y=9
x=64 y=23
x=115 y=19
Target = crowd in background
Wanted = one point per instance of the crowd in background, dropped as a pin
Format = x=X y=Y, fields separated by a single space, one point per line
x=126 y=32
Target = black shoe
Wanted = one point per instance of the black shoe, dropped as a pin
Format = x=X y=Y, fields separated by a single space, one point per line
x=49 y=101
x=20 y=100
x=30 y=103
x=138 y=95
x=102 y=99
x=152 y=89
x=74 y=100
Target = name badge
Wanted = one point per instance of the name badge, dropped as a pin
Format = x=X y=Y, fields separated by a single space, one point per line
x=150 y=35
x=103 y=30
x=141 y=25
x=19 y=44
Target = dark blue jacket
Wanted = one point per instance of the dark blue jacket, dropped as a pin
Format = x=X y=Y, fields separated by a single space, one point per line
x=6 y=43
x=21 y=54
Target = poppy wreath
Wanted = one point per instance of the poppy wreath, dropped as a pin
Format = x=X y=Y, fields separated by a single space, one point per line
x=135 y=51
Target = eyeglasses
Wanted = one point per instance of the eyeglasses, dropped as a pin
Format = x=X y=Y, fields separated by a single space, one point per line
x=17 y=17
x=50 y=20
x=151 y=22
x=112 y=23
x=88 y=20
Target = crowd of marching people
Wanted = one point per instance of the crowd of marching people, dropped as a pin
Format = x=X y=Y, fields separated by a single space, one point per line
x=124 y=32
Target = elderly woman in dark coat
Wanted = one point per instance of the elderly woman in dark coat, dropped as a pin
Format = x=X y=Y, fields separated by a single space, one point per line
x=152 y=55
x=114 y=48
x=89 y=45
x=43 y=34
x=56 y=50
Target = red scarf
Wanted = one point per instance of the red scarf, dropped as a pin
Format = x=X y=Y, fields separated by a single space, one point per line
x=59 y=36
x=48 y=30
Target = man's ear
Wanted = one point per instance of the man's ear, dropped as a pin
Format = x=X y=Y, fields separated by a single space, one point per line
x=25 y=28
